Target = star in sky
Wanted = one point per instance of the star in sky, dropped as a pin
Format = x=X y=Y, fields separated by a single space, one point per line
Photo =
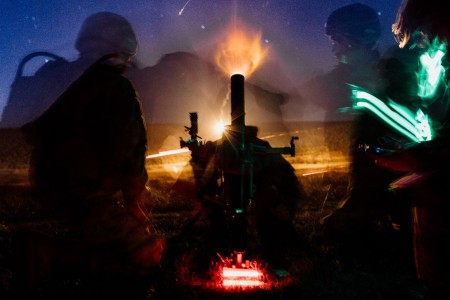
x=293 y=28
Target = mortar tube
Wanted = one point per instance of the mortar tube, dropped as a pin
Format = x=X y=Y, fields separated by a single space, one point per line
x=238 y=124
x=238 y=128
x=237 y=101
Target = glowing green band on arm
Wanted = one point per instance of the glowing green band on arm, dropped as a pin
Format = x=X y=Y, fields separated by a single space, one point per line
x=399 y=117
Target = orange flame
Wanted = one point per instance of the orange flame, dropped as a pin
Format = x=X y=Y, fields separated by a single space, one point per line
x=240 y=53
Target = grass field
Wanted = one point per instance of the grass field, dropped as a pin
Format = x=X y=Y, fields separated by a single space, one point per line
x=316 y=268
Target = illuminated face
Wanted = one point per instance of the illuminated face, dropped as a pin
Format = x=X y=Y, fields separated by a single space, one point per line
x=340 y=46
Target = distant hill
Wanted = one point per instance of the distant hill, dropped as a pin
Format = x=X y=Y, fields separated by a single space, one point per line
x=182 y=82
x=179 y=83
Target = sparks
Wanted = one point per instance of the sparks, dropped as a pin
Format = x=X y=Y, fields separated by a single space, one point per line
x=182 y=9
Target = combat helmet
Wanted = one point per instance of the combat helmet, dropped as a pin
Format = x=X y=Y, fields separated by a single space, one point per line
x=104 y=33
x=357 y=22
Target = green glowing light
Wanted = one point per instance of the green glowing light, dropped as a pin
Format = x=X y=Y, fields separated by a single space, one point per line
x=431 y=72
x=424 y=125
x=413 y=126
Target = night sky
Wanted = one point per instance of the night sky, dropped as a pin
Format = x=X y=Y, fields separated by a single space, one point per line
x=292 y=28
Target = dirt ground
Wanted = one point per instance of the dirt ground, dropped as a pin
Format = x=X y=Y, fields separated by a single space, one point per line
x=314 y=268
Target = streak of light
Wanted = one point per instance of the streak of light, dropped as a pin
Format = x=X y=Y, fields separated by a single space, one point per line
x=272 y=136
x=168 y=152
x=336 y=167
x=182 y=9
x=317 y=172
x=268 y=137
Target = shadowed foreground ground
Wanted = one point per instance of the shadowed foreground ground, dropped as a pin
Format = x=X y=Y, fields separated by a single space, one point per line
x=316 y=270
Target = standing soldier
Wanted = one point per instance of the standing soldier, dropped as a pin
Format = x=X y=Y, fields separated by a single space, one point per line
x=88 y=161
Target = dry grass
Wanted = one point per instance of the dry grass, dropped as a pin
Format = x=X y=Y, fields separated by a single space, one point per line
x=317 y=269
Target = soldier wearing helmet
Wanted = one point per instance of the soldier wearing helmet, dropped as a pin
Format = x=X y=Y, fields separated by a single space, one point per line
x=352 y=27
x=102 y=33
x=88 y=159
x=369 y=212
x=354 y=31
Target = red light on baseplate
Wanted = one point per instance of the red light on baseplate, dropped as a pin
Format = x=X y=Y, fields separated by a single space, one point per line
x=240 y=274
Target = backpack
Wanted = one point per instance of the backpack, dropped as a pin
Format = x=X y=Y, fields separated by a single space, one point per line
x=31 y=95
